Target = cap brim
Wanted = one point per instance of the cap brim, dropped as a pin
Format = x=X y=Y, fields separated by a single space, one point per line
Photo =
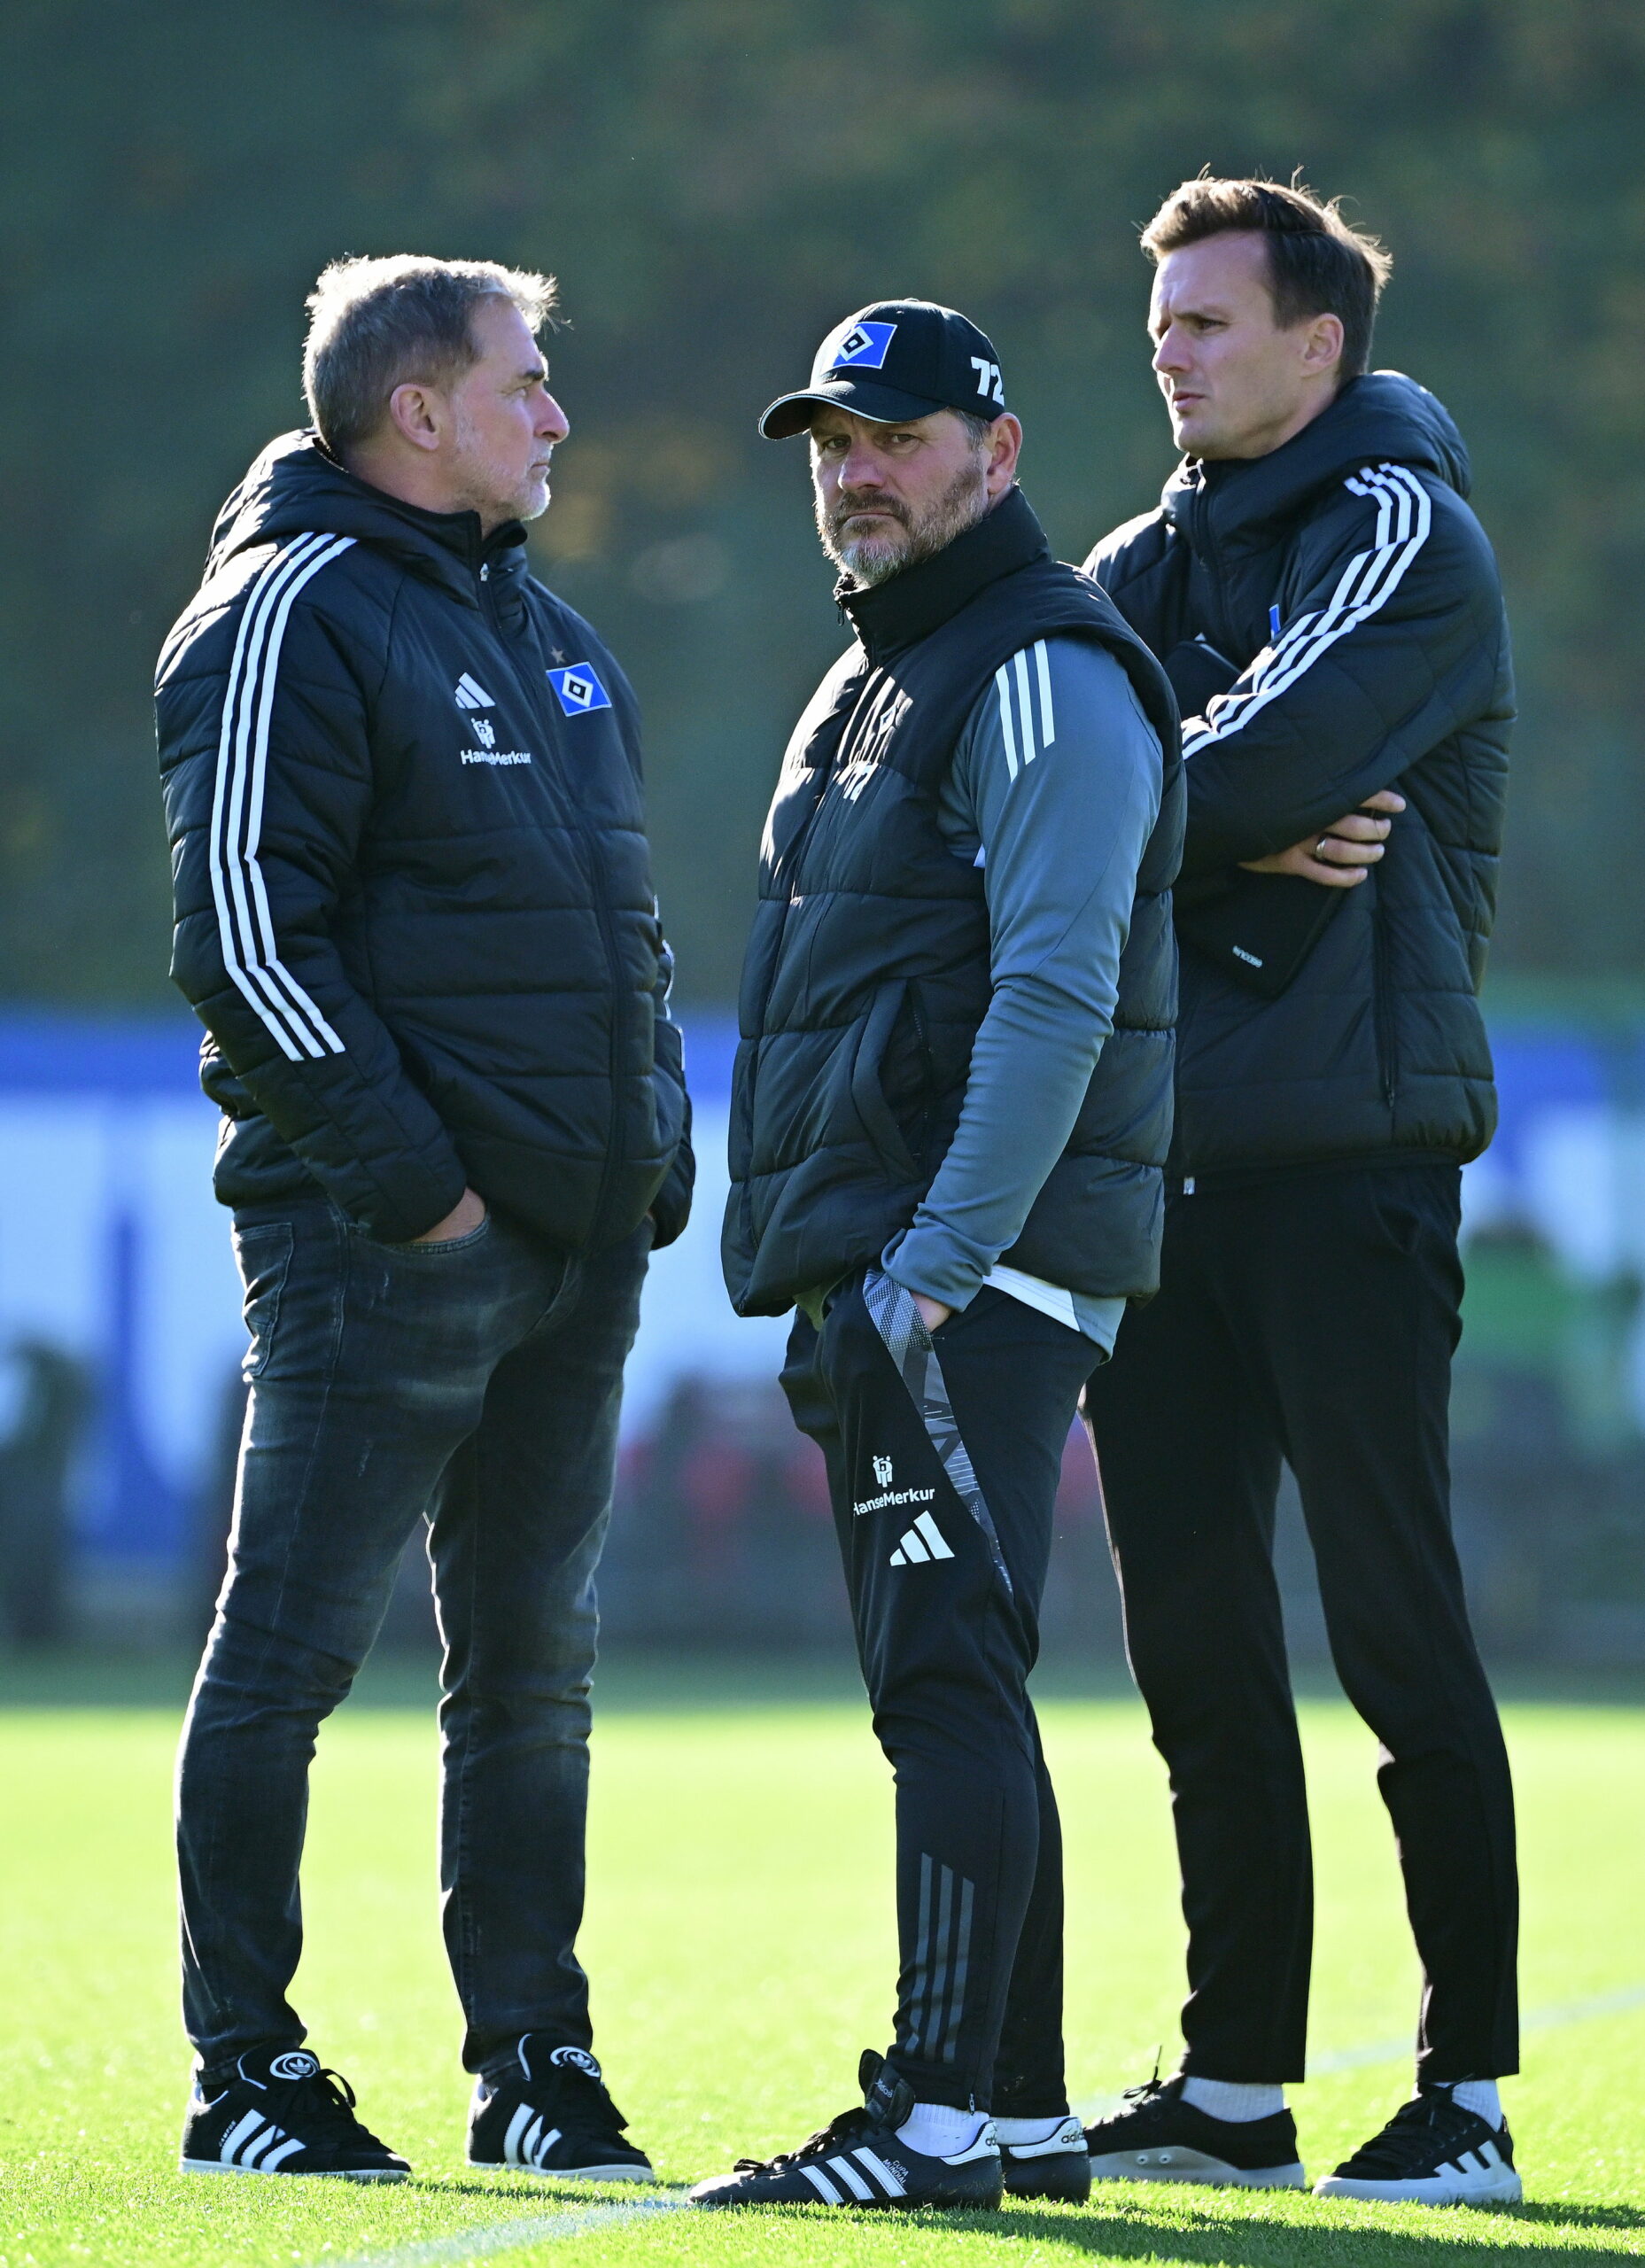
x=792 y=413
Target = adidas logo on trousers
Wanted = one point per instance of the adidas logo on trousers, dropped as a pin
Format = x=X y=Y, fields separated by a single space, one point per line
x=922 y=1542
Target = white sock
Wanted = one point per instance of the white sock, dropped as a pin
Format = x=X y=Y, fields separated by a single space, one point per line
x=1479 y=2096
x=938 y=2130
x=1029 y=2130
x=1232 y=2099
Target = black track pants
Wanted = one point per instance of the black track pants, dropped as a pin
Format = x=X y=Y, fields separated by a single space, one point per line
x=943 y=1456
x=1312 y=1319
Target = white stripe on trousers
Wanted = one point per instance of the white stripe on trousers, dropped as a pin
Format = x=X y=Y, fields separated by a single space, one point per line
x=1404 y=517
x=245 y=925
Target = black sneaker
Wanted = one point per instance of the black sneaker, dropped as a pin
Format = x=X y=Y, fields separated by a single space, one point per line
x=859 y=2161
x=1434 y=2153
x=1059 y=2166
x=554 y=2119
x=283 y=2114
x=1161 y=2138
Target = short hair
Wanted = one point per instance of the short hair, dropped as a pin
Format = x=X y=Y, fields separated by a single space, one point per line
x=375 y=324
x=1317 y=264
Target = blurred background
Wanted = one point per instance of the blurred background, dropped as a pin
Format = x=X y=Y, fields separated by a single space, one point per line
x=716 y=182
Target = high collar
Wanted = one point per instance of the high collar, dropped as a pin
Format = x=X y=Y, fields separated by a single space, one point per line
x=295 y=487
x=890 y=616
x=1381 y=418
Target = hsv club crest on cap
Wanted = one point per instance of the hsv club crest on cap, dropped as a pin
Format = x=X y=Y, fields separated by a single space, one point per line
x=897 y=360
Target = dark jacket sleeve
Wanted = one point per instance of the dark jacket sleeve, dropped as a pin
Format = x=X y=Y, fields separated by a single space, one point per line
x=670 y=1207
x=1394 y=636
x=267 y=763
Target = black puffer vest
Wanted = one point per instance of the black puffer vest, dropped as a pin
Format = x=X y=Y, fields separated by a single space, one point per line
x=867 y=972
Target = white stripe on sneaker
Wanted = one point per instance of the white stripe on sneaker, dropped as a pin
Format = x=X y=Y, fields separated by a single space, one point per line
x=844 y=2170
x=821 y=2183
x=881 y=2171
x=240 y=2132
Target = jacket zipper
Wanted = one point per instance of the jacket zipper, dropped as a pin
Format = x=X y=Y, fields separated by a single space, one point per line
x=603 y=911
x=1214 y=562
x=1382 y=1007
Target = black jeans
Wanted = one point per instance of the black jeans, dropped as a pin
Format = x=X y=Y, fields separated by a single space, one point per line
x=478 y=1381
x=943 y=1454
x=1312 y=1319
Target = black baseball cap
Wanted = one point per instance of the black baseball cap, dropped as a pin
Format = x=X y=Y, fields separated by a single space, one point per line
x=897 y=360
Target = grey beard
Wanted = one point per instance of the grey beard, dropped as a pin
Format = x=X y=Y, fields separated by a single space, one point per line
x=869 y=560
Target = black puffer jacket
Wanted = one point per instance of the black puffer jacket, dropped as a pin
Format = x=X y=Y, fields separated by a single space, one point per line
x=414 y=907
x=1346 y=579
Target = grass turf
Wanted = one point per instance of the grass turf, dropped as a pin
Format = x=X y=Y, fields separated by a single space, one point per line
x=740 y=1942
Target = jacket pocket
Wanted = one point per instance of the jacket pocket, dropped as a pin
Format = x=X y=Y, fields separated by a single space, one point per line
x=867 y=1095
x=264 y=1256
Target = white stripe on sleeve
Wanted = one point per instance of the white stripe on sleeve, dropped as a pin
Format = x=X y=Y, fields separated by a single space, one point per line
x=1001 y=685
x=1048 y=721
x=1025 y=710
x=1404 y=517
x=244 y=924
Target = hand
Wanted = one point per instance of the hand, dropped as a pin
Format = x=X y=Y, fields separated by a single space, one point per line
x=1346 y=851
x=932 y=1312
x=466 y=1214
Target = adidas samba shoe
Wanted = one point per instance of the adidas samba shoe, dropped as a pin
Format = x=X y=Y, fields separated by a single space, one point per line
x=282 y=2114
x=1432 y=2152
x=556 y=2118
x=1159 y=2137
x=1056 y=2166
x=857 y=2161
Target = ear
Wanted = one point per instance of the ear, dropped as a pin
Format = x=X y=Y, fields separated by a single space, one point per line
x=1322 y=345
x=1005 y=446
x=416 y=412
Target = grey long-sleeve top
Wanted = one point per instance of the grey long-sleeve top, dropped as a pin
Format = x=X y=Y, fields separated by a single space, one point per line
x=1054 y=791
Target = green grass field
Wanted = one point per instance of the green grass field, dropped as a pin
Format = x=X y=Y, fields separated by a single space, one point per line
x=740 y=1944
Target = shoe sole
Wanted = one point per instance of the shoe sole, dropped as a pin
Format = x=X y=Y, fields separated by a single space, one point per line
x=1065 y=2177
x=1179 y=2164
x=852 y=2205
x=1505 y=2189
x=619 y=2173
x=328 y=2173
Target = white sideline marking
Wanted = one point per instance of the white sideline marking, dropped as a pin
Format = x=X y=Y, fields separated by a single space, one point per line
x=484 y=2237
x=482 y=2240
x=1394 y=2051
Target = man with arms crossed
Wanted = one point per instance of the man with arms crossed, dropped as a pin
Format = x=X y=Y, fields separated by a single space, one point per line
x=1313 y=556
x=414 y=913
x=950 y=1111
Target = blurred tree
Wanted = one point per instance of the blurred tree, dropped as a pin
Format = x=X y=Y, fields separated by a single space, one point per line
x=715 y=181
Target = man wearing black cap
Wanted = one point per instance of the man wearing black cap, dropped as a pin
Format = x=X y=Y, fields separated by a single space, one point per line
x=953 y=1105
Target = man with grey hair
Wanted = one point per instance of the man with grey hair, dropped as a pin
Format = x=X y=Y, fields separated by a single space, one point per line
x=414 y=913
